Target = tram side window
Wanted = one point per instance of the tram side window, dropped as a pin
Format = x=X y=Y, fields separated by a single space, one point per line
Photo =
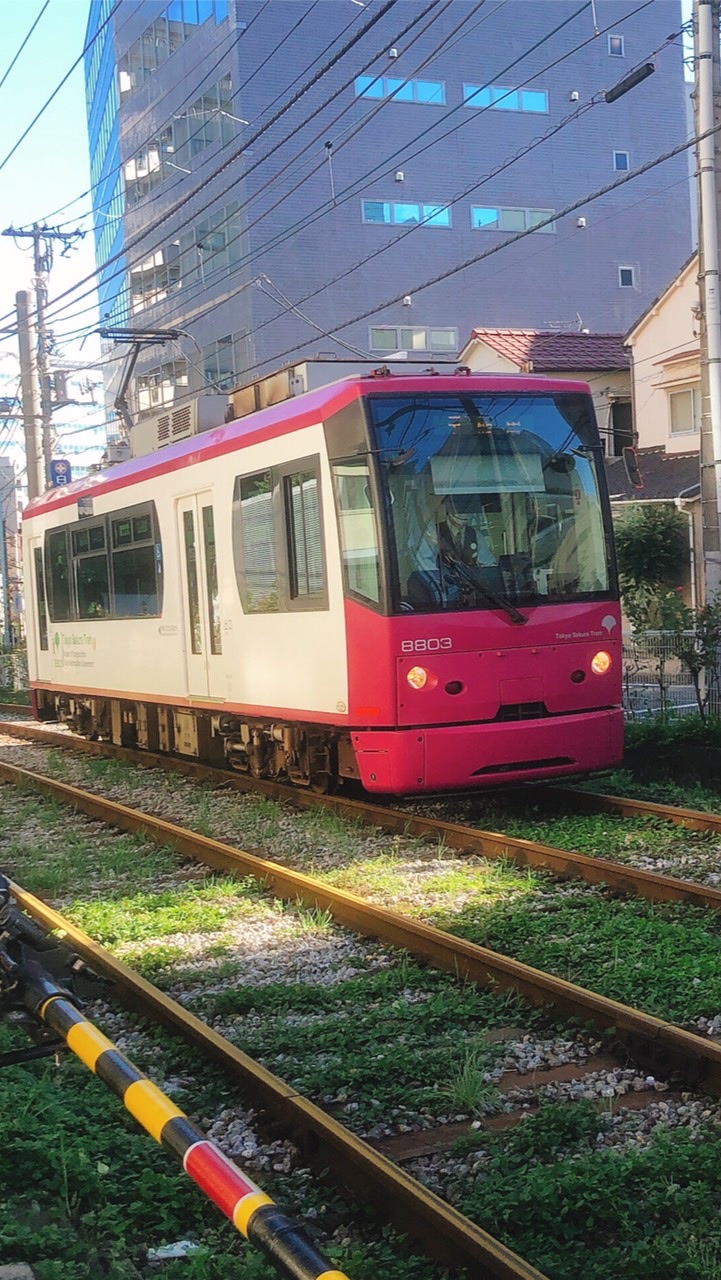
x=278 y=539
x=211 y=573
x=136 y=565
x=306 y=584
x=92 y=572
x=111 y=567
x=57 y=573
x=40 y=597
x=358 y=532
x=254 y=543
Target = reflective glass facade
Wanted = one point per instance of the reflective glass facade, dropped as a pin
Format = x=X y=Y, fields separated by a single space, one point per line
x=103 y=101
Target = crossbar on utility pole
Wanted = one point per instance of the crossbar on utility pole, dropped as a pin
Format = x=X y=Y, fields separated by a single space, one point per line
x=42 y=238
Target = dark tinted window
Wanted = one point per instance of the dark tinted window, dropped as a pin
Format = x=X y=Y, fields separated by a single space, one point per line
x=111 y=568
x=40 y=598
x=57 y=572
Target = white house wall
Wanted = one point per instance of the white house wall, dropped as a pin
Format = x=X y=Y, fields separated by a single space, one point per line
x=667 y=331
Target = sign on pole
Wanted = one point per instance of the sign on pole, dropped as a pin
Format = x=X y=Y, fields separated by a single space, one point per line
x=60 y=472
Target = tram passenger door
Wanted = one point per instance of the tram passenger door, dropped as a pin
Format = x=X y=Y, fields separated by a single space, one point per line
x=201 y=598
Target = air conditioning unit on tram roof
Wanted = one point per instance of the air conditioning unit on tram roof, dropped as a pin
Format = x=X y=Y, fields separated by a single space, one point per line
x=177 y=422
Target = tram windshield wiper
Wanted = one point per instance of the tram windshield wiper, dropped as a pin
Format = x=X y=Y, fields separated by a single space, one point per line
x=469 y=574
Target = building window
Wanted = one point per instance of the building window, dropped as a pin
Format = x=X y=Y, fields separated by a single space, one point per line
x=207 y=122
x=223 y=362
x=616 y=46
x=432 y=92
x=627 y=277
x=158 y=387
x=621 y=160
x=404 y=214
x=487 y=218
x=176 y=24
x=412 y=338
x=155 y=277
x=210 y=247
x=505 y=99
x=684 y=411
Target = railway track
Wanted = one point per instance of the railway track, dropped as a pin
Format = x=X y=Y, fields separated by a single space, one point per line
x=659 y=1046
x=656 y=1043
x=651 y=885
x=321 y=1140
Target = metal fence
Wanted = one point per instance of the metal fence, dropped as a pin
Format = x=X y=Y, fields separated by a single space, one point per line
x=655 y=680
x=14 y=670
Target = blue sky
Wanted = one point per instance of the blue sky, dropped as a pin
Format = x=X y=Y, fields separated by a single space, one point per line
x=51 y=165
x=49 y=168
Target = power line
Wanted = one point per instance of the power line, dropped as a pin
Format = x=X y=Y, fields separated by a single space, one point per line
x=169 y=213
x=147 y=250
x=56 y=91
x=520 y=235
x=22 y=46
x=358 y=183
x=187 y=297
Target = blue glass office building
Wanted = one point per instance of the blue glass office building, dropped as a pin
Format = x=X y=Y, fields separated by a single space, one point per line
x=261 y=220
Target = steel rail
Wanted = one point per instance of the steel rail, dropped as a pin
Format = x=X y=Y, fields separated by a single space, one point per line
x=651 y=885
x=323 y=1142
x=599 y=802
x=648 y=1039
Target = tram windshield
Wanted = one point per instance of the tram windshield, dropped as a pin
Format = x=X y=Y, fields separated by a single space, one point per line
x=492 y=499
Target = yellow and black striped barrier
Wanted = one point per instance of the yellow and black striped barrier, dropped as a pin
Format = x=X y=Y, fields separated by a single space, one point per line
x=250 y=1210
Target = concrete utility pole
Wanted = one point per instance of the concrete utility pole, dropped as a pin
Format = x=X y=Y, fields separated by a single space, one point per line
x=708 y=154
x=42 y=238
x=5 y=572
x=30 y=386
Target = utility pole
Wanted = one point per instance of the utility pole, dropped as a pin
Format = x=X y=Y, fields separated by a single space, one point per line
x=32 y=416
x=7 y=630
x=708 y=155
x=42 y=238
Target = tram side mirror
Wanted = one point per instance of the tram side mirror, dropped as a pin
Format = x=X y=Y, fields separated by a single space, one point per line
x=633 y=471
x=563 y=463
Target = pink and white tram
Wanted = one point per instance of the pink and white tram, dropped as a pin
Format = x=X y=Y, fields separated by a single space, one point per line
x=408 y=581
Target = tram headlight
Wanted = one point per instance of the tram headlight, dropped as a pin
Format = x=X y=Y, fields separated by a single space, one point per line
x=417 y=677
x=601 y=662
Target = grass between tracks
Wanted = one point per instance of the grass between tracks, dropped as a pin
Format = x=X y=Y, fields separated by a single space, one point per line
x=360 y=1044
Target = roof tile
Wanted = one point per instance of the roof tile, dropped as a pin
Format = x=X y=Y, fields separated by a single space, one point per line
x=550 y=352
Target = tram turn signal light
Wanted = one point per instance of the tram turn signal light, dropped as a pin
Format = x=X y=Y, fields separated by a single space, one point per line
x=417 y=677
x=601 y=662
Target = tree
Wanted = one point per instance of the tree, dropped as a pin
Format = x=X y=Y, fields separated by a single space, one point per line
x=653 y=554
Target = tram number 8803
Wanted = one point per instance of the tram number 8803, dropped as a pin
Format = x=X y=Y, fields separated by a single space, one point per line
x=433 y=644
